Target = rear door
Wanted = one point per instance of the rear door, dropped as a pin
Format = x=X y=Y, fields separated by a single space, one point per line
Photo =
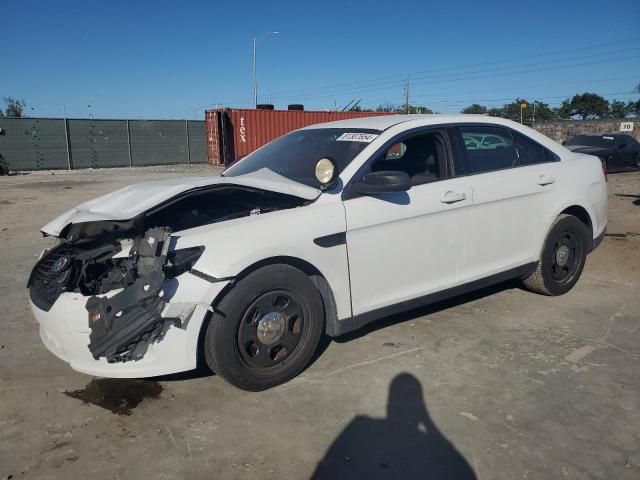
x=404 y=245
x=513 y=181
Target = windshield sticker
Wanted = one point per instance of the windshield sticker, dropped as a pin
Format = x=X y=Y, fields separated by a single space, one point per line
x=357 y=137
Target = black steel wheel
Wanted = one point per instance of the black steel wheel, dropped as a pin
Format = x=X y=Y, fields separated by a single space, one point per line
x=266 y=329
x=566 y=255
x=270 y=330
x=563 y=257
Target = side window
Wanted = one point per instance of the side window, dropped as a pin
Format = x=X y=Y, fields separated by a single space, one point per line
x=488 y=148
x=422 y=157
x=530 y=152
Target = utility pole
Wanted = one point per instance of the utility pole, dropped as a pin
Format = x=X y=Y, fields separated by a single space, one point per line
x=533 y=119
x=406 y=95
x=257 y=40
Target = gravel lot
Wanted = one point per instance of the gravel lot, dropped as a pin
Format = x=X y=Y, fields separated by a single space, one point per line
x=499 y=384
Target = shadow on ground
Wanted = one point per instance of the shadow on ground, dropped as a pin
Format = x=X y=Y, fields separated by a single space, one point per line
x=204 y=371
x=405 y=444
x=427 y=310
x=636 y=202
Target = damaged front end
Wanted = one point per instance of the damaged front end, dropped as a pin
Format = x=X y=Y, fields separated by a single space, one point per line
x=126 y=303
x=128 y=269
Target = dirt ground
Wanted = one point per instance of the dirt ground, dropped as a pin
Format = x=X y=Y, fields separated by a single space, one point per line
x=501 y=384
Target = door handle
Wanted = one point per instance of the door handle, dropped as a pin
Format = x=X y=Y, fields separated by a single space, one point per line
x=452 y=197
x=544 y=180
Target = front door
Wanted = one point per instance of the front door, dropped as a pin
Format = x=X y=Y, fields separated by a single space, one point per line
x=404 y=245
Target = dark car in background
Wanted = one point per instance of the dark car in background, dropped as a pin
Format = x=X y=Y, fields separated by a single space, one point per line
x=618 y=152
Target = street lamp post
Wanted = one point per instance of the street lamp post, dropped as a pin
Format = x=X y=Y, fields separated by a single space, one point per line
x=255 y=81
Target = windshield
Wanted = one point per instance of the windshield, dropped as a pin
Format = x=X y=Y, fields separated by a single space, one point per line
x=295 y=155
x=603 y=141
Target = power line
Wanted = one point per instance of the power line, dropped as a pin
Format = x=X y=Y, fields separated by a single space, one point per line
x=328 y=90
x=397 y=83
x=501 y=89
x=492 y=75
x=538 y=86
x=458 y=67
x=511 y=99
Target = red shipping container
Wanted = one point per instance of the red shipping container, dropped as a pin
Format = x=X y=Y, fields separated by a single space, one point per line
x=233 y=133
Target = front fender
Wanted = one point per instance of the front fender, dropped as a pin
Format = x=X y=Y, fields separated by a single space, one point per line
x=235 y=245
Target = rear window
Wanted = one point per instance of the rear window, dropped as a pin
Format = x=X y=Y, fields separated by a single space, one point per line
x=488 y=148
x=530 y=152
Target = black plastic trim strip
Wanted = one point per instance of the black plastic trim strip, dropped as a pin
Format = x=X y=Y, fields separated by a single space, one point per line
x=332 y=240
x=209 y=278
x=353 y=323
x=598 y=240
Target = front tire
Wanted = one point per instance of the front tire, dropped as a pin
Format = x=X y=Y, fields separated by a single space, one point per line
x=562 y=259
x=266 y=329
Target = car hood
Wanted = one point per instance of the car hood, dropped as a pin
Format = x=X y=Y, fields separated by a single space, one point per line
x=127 y=202
x=589 y=150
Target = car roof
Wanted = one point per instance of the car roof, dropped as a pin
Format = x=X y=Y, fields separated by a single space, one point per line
x=383 y=122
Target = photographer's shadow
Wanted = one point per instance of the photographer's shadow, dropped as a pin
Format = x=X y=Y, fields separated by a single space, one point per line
x=406 y=444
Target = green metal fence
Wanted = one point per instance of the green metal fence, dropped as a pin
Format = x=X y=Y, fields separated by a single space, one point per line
x=47 y=143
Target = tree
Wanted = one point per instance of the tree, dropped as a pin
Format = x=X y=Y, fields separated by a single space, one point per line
x=390 y=108
x=542 y=112
x=419 y=109
x=475 y=108
x=496 y=112
x=387 y=107
x=619 y=109
x=358 y=108
x=634 y=108
x=563 y=112
x=589 y=106
x=15 y=108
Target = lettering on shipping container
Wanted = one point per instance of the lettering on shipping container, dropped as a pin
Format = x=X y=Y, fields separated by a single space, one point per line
x=243 y=131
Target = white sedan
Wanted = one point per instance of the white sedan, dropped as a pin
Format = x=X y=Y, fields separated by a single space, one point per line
x=319 y=232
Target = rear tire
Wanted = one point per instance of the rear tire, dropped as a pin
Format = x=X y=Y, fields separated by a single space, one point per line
x=266 y=329
x=562 y=258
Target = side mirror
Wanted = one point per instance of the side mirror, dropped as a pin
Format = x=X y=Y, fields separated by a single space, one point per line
x=383 y=182
x=622 y=145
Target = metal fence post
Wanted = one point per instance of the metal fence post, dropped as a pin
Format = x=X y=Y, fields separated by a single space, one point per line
x=186 y=127
x=67 y=142
x=129 y=144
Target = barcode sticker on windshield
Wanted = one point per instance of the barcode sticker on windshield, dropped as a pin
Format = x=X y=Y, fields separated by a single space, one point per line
x=357 y=137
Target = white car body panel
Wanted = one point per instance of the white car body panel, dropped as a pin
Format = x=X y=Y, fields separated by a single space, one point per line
x=397 y=249
x=246 y=241
x=515 y=197
x=382 y=229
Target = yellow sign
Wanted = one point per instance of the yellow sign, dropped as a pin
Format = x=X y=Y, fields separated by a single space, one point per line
x=523 y=105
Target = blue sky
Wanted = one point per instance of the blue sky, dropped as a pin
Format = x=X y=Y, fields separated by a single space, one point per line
x=157 y=59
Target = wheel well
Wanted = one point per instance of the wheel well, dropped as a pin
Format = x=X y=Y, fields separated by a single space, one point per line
x=328 y=300
x=581 y=214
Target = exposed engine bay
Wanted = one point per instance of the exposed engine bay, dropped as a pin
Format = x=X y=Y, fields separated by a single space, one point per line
x=122 y=266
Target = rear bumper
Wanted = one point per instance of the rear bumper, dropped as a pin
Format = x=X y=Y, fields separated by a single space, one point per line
x=64 y=331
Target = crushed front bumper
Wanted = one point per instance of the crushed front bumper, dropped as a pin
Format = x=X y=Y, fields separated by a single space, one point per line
x=65 y=331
